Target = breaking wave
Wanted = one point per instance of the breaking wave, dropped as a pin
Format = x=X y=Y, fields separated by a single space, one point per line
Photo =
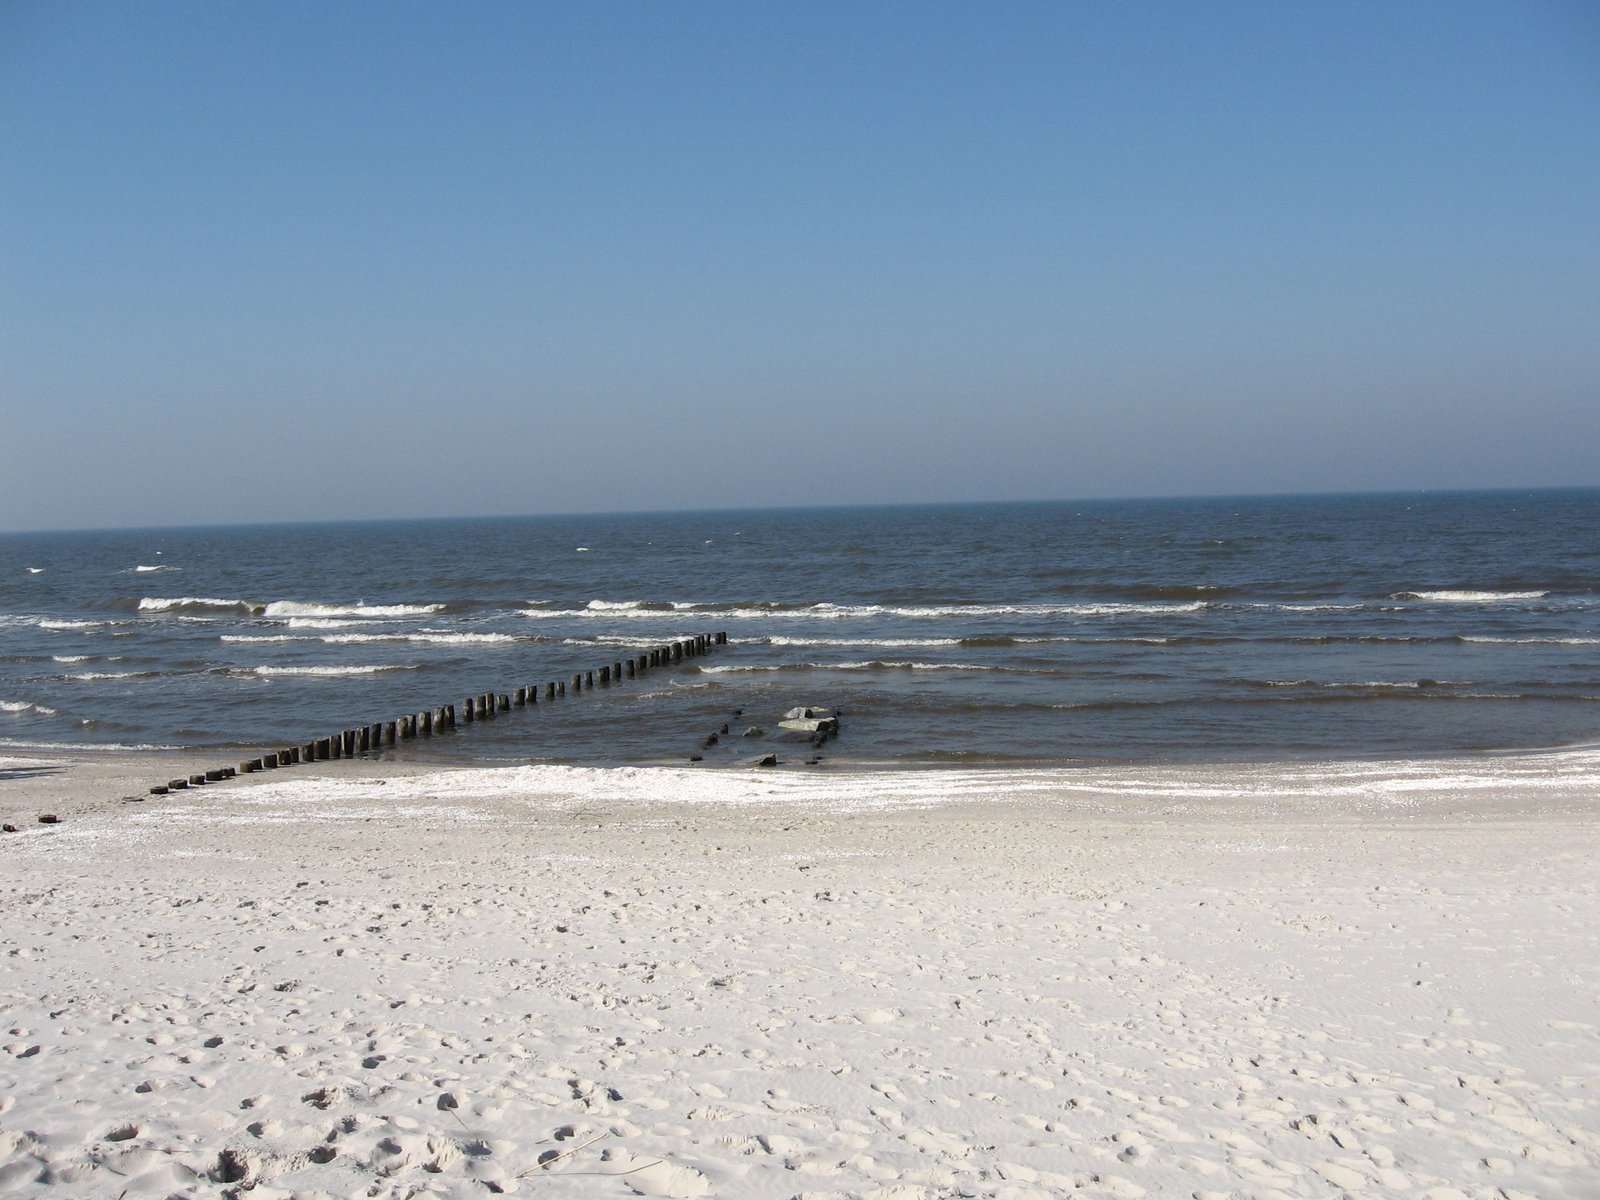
x=1449 y=596
x=26 y=706
x=280 y=608
x=844 y=612
x=335 y=670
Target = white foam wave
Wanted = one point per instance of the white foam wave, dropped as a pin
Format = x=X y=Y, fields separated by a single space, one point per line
x=323 y=623
x=1371 y=684
x=1311 y=607
x=1536 y=641
x=91 y=675
x=846 y=612
x=295 y=608
x=70 y=658
x=337 y=670
x=647 y=607
x=873 y=665
x=10 y=762
x=34 y=570
x=157 y=567
x=437 y=637
x=103 y=747
x=25 y=706
x=1468 y=597
x=161 y=604
x=1567 y=776
x=888 y=643
x=51 y=623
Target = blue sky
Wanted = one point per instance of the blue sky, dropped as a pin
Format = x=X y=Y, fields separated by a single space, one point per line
x=298 y=261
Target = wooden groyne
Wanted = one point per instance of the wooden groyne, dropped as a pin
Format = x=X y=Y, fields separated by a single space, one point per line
x=362 y=741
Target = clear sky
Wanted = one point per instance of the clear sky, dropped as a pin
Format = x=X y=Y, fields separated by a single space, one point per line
x=282 y=261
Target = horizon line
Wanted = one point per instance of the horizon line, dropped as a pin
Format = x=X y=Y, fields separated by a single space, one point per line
x=798 y=508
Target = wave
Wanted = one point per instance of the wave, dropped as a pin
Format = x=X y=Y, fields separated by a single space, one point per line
x=107 y=747
x=1450 y=596
x=435 y=637
x=72 y=658
x=324 y=623
x=63 y=623
x=1375 y=685
x=34 y=570
x=295 y=608
x=280 y=608
x=650 y=606
x=1160 y=591
x=26 y=706
x=875 y=664
x=1534 y=641
x=89 y=675
x=890 y=643
x=844 y=612
x=334 y=670
x=164 y=604
x=158 y=567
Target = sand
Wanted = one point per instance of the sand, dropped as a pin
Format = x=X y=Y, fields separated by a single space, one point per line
x=1378 y=980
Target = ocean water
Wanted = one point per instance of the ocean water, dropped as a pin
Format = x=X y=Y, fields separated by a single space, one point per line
x=1091 y=632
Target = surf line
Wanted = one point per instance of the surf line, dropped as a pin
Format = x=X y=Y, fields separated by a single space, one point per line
x=368 y=739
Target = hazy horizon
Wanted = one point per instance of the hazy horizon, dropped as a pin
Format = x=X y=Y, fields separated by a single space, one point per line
x=557 y=514
x=299 y=263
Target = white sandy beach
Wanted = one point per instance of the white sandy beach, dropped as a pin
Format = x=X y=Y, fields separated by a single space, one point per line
x=1268 y=981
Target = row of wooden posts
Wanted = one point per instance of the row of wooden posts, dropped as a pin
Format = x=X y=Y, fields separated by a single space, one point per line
x=369 y=739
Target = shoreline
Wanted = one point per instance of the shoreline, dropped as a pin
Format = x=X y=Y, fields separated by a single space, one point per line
x=357 y=978
x=89 y=780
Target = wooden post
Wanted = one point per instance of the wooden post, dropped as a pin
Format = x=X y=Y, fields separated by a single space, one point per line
x=549 y=691
x=519 y=697
x=588 y=679
x=577 y=684
x=505 y=702
x=269 y=761
x=605 y=676
x=249 y=766
x=561 y=688
x=631 y=668
x=362 y=745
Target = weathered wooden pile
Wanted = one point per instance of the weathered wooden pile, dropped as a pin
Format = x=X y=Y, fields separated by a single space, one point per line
x=369 y=739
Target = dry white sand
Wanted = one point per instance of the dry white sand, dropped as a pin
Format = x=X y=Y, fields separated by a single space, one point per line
x=1376 y=980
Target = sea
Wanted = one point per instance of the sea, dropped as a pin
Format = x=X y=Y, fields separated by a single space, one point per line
x=1083 y=632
